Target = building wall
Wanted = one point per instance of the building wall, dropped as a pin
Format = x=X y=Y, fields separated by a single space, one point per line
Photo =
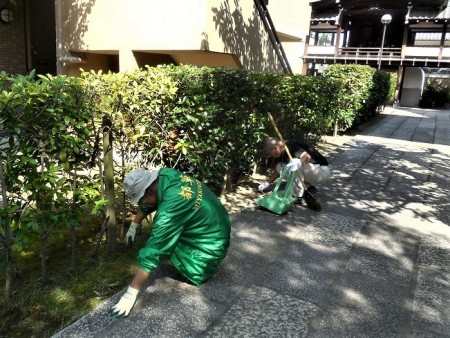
x=292 y=19
x=13 y=55
x=121 y=27
x=236 y=28
x=412 y=87
x=189 y=31
x=120 y=24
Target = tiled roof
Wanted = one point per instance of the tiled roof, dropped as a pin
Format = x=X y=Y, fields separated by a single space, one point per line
x=429 y=14
x=325 y=16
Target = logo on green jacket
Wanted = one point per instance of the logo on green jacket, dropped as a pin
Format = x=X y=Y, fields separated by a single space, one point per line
x=187 y=192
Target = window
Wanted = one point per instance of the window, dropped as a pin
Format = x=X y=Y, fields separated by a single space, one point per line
x=428 y=38
x=320 y=38
x=325 y=39
x=312 y=38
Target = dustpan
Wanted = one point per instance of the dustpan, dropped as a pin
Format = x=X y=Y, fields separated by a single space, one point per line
x=280 y=201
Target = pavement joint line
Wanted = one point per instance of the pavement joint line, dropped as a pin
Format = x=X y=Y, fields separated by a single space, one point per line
x=315 y=322
x=406 y=328
x=239 y=295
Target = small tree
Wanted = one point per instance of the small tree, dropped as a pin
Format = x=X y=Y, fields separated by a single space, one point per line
x=48 y=133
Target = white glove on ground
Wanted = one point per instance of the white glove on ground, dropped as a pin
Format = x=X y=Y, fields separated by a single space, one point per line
x=125 y=304
x=294 y=165
x=131 y=233
x=263 y=186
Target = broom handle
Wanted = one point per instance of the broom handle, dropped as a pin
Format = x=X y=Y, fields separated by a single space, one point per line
x=285 y=147
x=279 y=135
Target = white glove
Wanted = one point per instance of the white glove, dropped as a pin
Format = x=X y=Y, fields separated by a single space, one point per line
x=263 y=186
x=125 y=304
x=131 y=233
x=294 y=165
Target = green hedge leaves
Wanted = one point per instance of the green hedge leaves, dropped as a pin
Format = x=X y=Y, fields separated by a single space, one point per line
x=206 y=121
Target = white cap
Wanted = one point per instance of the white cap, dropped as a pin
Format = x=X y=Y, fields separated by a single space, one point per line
x=136 y=182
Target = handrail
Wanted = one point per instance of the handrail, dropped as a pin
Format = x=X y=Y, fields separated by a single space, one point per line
x=270 y=28
x=414 y=60
x=369 y=51
x=358 y=52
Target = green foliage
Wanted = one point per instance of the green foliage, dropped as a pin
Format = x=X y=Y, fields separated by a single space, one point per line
x=207 y=121
x=356 y=82
x=364 y=91
x=307 y=106
x=435 y=95
x=392 y=87
x=378 y=96
x=217 y=116
x=47 y=127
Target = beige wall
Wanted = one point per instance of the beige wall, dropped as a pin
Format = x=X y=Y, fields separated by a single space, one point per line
x=202 y=32
x=292 y=19
x=120 y=27
x=237 y=29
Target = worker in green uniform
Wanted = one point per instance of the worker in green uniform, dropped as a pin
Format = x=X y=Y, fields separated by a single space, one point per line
x=190 y=226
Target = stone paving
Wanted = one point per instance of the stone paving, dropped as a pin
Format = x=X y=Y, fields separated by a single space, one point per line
x=374 y=263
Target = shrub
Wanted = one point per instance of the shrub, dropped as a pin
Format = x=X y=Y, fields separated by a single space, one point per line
x=435 y=95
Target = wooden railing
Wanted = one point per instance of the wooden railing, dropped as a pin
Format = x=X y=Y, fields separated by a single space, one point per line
x=374 y=55
x=369 y=52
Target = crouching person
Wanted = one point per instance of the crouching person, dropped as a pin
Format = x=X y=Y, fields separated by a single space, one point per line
x=311 y=165
x=191 y=227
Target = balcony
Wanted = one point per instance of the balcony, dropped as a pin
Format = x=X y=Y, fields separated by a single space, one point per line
x=389 y=56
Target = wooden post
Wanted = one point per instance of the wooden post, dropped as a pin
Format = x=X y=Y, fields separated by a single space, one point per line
x=109 y=184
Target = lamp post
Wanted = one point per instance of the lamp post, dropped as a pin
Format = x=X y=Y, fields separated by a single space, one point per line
x=385 y=20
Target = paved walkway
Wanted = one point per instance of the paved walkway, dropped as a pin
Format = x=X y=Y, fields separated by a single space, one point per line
x=374 y=263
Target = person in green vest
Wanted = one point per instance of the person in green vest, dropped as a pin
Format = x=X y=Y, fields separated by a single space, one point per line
x=191 y=227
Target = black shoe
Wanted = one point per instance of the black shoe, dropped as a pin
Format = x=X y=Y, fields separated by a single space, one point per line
x=311 y=201
x=312 y=189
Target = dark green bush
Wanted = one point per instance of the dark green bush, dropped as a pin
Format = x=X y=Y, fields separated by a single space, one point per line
x=435 y=95
x=211 y=121
x=365 y=91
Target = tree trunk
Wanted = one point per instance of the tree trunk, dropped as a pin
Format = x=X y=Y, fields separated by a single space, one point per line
x=43 y=237
x=230 y=179
x=73 y=260
x=109 y=184
x=7 y=239
x=42 y=208
x=100 y=235
x=9 y=274
x=100 y=174
x=122 y=228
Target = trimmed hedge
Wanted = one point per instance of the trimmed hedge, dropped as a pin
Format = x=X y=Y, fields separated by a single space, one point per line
x=211 y=121
x=364 y=91
x=206 y=121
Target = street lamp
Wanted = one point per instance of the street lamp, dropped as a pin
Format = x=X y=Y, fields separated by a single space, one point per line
x=385 y=20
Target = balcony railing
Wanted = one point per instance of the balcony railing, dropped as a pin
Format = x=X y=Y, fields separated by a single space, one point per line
x=355 y=52
x=368 y=52
x=387 y=56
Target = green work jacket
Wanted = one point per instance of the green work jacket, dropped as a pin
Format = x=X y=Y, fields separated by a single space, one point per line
x=190 y=226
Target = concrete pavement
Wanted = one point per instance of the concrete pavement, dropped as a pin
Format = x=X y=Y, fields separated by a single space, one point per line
x=374 y=263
